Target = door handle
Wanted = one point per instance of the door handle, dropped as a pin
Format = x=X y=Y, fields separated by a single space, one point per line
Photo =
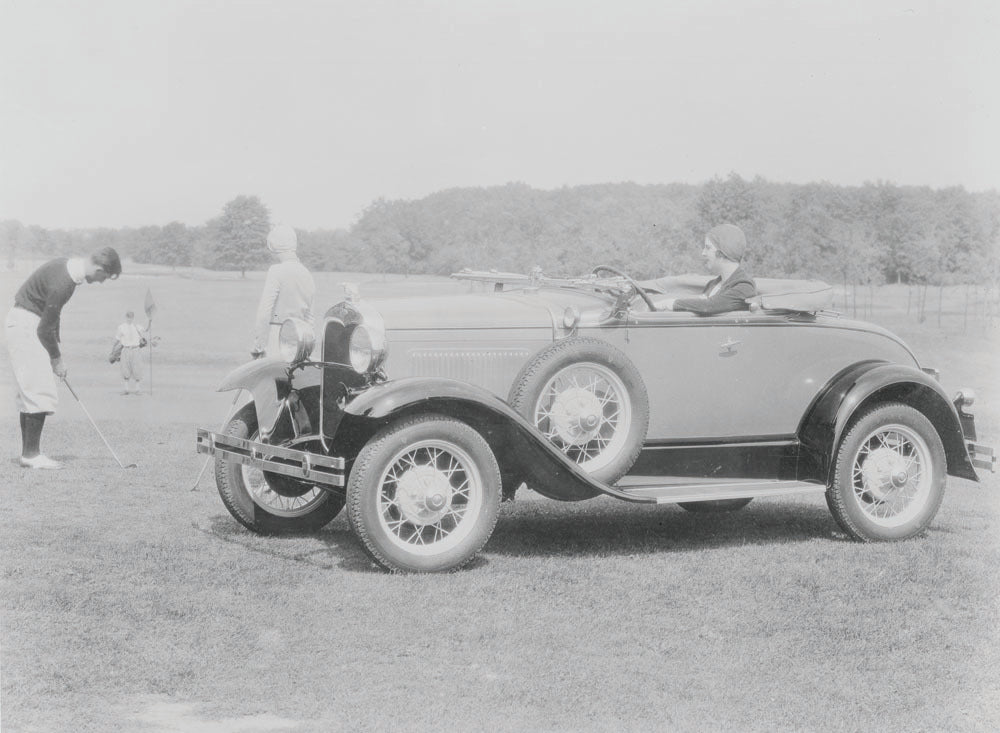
x=728 y=347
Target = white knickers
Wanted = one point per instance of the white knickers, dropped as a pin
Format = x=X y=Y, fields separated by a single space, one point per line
x=36 y=384
x=131 y=363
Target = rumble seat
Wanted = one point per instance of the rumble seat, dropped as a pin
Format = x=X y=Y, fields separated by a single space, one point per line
x=794 y=295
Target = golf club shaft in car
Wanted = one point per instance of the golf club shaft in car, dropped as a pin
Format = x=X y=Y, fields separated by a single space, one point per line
x=208 y=459
x=87 y=413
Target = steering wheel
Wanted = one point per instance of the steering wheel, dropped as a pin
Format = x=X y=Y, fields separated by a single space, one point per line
x=638 y=288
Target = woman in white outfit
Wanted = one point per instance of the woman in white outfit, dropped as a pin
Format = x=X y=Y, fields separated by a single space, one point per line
x=288 y=292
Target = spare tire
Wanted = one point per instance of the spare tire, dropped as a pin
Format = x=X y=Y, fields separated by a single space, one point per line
x=588 y=399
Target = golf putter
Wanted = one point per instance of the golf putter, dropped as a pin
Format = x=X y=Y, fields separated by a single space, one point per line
x=87 y=413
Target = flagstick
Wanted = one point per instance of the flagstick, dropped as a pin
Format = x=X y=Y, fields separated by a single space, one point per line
x=150 y=305
x=149 y=331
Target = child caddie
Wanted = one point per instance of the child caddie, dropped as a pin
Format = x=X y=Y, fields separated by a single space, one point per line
x=32 y=330
x=132 y=337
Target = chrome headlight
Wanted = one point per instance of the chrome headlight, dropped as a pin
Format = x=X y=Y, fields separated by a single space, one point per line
x=367 y=344
x=367 y=347
x=361 y=350
x=295 y=340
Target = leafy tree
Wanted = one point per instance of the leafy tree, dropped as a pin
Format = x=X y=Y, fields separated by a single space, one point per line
x=238 y=238
x=11 y=240
x=173 y=246
x=378 y=230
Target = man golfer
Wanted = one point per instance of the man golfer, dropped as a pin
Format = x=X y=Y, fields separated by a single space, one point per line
x=130 y=336
x=288 y=291
x=32 y=329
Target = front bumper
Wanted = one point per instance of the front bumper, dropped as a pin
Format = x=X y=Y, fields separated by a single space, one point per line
x=982 y=456
x=314 y=467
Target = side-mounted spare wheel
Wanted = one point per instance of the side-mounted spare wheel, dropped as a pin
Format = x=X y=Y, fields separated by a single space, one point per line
x=889 y=476
x=424 y=494
x=270 y=503
x=589 y=400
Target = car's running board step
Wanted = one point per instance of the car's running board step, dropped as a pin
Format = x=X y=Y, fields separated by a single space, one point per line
x=298 y=464
x=686 y=489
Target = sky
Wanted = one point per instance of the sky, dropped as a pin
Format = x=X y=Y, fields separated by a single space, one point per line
x=138 y=112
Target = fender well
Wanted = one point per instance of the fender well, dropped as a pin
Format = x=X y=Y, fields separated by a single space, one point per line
x=866 y=384
x=523 y=455
x=267 y=381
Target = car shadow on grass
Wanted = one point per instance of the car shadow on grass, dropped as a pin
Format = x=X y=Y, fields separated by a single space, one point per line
x=332 y=547
x=551 y=529
x=537 y=528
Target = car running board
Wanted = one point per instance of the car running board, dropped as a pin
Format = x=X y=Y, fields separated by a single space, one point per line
x=670 y=490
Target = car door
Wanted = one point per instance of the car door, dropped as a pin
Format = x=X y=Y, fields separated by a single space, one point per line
x=696 y=374
x=742 y=375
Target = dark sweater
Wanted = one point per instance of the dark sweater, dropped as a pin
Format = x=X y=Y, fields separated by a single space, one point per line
x=731 y=296
x=44 y=293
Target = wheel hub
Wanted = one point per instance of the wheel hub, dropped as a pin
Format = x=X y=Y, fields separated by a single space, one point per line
x=576 y=414
x=884 y=472
x=424 y=495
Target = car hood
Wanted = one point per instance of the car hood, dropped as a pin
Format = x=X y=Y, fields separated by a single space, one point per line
x=516 y=309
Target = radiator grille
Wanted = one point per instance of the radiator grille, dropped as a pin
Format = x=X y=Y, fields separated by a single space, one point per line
x=493 y=369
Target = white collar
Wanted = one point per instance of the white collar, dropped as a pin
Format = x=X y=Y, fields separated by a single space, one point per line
x=77 y=269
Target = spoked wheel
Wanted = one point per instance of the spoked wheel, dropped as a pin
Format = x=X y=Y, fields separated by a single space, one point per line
x=890 y=475
x=424 y=495
x=266 y=502
x=584 y=409
x=280 y=496
x=588 y=399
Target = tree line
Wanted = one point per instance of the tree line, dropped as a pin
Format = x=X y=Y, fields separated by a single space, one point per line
x=861 y=235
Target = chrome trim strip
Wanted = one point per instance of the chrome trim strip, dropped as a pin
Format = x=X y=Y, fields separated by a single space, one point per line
x=746 y=441
x=274 y=459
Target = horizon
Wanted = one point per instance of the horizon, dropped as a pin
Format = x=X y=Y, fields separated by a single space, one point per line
x=993 y=191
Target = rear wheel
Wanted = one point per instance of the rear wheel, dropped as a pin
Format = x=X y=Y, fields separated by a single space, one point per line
x=890 y=474
x=270 y=503
x=424 y=495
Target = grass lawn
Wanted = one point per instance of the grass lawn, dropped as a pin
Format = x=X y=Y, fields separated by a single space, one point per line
x=130 y=602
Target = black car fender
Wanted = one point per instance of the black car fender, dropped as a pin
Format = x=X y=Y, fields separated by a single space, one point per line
x=864 y=384
x=269 y=382
x=521 y=451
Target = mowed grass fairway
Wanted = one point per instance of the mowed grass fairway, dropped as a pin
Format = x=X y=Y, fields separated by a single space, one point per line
x=130 y=602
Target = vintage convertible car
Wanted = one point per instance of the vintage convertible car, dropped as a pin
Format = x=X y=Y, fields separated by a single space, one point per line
x=422 y=414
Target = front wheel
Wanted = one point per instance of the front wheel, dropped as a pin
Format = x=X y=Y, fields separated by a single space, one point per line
x=424 y=495
x=890 y=473
x=270 y=503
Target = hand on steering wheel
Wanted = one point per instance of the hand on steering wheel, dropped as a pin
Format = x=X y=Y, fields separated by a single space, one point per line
x=638 y=288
